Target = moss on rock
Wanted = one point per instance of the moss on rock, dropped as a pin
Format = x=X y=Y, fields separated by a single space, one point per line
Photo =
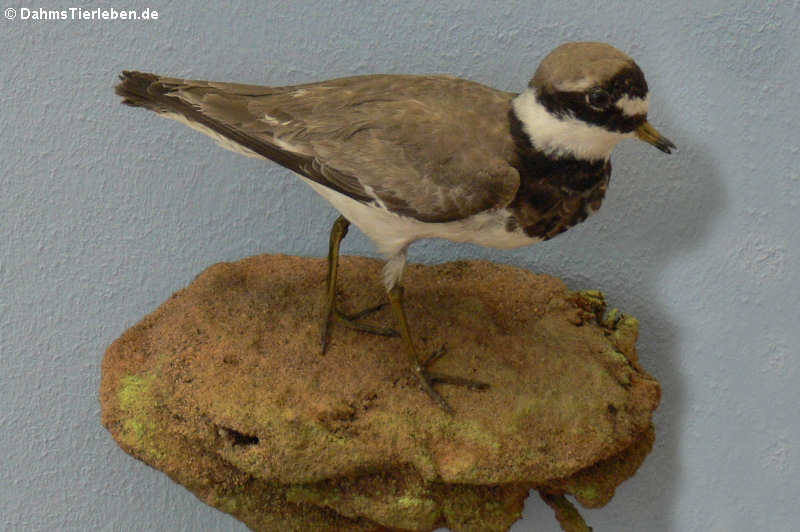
x=223 y=388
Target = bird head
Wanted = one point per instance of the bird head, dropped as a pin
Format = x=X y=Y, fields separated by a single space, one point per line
x=583 y=99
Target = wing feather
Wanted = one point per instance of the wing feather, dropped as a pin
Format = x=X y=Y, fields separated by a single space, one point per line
x=435 y=148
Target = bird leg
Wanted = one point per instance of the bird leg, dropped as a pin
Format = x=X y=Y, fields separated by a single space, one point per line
x=419 y=366
x=338 y=232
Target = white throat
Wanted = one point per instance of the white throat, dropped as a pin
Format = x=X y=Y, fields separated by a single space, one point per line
x=565 y=136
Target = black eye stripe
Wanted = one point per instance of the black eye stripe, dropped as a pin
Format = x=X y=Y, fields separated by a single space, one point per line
x=598 y=98
x=566 y=104
x=629 y=81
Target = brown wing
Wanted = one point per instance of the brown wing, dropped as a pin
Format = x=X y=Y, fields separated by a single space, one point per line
x=432 y=147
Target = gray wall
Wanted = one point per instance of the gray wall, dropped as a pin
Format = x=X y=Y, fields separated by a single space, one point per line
x=105 y=211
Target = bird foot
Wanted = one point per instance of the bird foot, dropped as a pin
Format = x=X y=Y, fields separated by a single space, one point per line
x=428 y=378
x=351 y=322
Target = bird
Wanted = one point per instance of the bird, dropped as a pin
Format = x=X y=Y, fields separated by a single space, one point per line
x=410 y=157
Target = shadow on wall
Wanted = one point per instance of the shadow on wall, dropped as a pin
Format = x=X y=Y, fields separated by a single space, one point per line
x=665 y=209
x=671 y=223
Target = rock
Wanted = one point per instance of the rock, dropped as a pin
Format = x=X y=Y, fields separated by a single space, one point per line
x=224 y=389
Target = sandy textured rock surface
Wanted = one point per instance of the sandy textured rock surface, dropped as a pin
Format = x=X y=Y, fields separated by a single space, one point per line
x=224 y=388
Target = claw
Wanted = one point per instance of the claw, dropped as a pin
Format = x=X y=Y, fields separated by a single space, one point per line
x=420 y=366
x=350 y=322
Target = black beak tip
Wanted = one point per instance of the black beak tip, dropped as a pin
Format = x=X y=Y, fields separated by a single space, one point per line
x=666 y=146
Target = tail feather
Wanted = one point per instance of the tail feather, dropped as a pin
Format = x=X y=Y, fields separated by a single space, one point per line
x=141 y=89
x=230 y=125
x=162 y=95
x=149 y=91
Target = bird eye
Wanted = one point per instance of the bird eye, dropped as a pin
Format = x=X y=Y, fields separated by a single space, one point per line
x=598 y=98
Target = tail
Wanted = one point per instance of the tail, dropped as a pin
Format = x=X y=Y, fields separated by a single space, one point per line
x=141 y=89
x=162 y=95
x=223 y=112
x=219 y=119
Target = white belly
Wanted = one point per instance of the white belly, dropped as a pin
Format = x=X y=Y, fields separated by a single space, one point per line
x=392 y=233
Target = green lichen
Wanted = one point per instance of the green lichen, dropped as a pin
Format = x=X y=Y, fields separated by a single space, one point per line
x=595 y=295
x=408 y=501
x=133 y=393
x=139 y=428
x=625 y=336
x=612 y=318
x=592 y=300
x=588 y=494
x=134 y=427
x=473 y=432
x=616 y=356
x=410 y=511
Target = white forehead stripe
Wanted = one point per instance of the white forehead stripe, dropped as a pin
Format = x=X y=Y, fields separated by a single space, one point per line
x=634 y=106
x=576 y=85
